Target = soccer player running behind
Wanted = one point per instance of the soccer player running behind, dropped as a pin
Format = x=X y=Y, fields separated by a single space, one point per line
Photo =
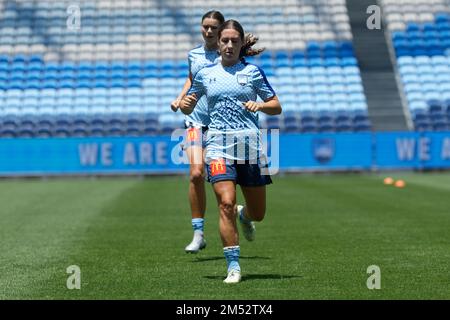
x=197 y=123
x=231 y=88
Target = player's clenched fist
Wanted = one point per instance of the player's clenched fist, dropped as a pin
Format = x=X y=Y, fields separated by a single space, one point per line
x=252 y=106
x=175 y=105
x=188 y=103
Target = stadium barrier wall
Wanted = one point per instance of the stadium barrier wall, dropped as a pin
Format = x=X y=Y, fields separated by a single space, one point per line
x=155 y=155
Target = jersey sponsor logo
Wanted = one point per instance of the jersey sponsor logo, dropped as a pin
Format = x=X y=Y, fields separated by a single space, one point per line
x=217 y=167
x=193 y=134
x=242 y=79
x=323 y=149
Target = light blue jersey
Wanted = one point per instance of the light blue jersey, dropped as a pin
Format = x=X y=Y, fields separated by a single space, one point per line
x=232 y=127
x=198 y=58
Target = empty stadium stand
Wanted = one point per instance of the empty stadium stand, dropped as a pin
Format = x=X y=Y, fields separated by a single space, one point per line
x=420 y=37
x=117 y=74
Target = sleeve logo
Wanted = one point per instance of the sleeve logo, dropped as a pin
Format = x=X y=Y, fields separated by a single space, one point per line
x=193 y=134
x=217 y=167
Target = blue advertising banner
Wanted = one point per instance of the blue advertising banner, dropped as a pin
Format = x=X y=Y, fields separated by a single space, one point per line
x=426 y=150
x=342 y=151
x=286 y=152
x=89 y=155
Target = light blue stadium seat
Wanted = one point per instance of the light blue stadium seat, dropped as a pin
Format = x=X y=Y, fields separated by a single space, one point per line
x=340 y=98
x=412 y=87
x=85 y=66
x=432 y=95
x=18 y=66
x=16 y=84
x=429 y=87
x=337 y=79
x=322 y=98
x=332 y=62
x=119 y=74
x=303 y=80
x=407 y=69
x=17 y=75
x=305 y=89
x=412 y=78
x=337 y=87
x=99 y=100
x=351 y=70
x=355 y=88
x=70 y=93
x=315 y=62
x=319 y=71
x=319 y=79
x=358 y=106
x=427 y=78
x=4 y=58
x=307 y=98
x=405 y=61
x=20 y=58
x=357 y=97
x=62 y=101
x=353 y=79
x=301 y=71
x=321 y=89
x=291 y=97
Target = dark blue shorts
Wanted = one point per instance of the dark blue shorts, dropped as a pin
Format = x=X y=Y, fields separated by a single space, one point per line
x=195 y=136
x=244 y=174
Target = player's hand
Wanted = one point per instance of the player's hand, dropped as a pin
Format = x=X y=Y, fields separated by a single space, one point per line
x=252 y=106
x=188 y=103
x=175 y=105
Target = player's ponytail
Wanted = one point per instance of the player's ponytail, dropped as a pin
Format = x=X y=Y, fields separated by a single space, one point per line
x=249 y=40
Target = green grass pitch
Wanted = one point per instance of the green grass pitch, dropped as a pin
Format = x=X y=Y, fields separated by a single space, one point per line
x=320 y=235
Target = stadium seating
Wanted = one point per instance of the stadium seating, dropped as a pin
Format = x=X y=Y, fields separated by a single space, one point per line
x=127 y=61
x=420 y=33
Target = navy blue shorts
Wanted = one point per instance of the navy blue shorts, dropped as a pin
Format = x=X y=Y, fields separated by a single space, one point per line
x=244 y=174
x=195 y=135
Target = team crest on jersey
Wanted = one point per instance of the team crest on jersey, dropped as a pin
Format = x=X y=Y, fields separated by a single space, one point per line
x=242 y=79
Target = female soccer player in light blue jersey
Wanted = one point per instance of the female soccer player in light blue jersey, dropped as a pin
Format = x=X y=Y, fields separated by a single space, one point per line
x=231 y=87
x=196 y=125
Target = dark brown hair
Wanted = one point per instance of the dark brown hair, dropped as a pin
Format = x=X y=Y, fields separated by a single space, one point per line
x=247 y=49
x=213 y=14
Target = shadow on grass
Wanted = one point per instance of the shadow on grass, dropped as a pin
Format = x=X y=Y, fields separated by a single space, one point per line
x=250 y=277
x=206 y=259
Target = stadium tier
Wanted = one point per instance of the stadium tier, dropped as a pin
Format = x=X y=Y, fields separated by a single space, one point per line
x=117 y=72
x=420 y=32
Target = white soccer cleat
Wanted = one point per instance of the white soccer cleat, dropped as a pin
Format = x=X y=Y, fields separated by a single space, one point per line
x=248 y=228
x=198 y=243
x=233 y=276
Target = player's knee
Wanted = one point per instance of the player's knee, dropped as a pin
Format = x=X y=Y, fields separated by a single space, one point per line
x=196 y=176
x=227 y=208
x=257 y=215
